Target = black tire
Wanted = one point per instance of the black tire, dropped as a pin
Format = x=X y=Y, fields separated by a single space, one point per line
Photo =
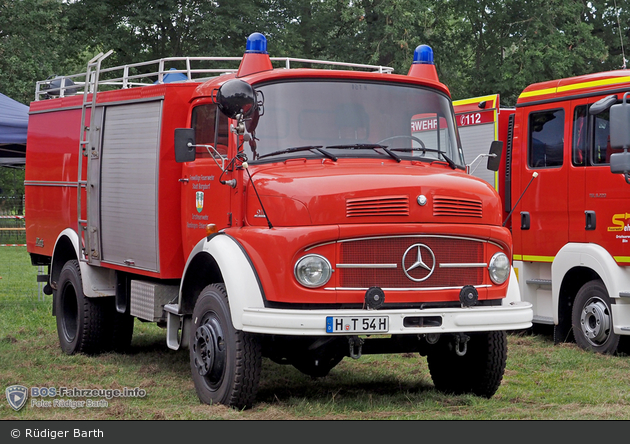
x=592 y=319
x=479 y=371
x=81 y=320
x=225 y=362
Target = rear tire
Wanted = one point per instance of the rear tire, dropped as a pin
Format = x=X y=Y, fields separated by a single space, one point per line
x=225 y=362
x=592 y=319
x=80 y=320
x=479 y=371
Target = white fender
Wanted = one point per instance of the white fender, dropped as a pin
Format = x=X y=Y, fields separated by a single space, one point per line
x=240 y=279
x=593 y=256
x=97 y=281
x=513 y=293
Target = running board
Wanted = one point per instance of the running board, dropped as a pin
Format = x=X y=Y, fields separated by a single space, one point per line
x=543 y=320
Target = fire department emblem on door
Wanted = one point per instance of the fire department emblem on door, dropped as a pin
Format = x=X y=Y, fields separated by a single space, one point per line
x=199 y=200
x=423 y=263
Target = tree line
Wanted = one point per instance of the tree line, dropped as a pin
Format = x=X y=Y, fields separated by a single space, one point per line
x=480 y=47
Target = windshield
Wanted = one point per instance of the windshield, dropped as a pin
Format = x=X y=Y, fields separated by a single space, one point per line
x=359 y=119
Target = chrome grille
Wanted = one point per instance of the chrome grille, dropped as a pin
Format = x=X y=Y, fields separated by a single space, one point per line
x=378 y=206
x=379 y=262
x=449 y=206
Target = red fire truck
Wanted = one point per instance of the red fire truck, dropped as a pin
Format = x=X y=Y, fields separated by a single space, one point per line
x=565 y=203
x=302 y=215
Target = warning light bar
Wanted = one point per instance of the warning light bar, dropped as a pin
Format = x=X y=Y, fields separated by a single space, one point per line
x=256 y=43
x=423 y=55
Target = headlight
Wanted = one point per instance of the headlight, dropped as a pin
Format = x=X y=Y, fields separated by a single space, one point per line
x=499 y=268
x=312 y=270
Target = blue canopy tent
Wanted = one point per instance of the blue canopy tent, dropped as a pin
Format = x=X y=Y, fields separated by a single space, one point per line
x=13 y=125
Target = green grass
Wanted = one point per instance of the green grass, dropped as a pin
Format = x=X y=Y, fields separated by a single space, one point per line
x=541 y=381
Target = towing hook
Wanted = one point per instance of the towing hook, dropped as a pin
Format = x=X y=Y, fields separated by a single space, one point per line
x=356 y=345
x=461 y=344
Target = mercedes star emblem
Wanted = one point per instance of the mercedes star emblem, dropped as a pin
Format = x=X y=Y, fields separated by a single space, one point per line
x=424 y=269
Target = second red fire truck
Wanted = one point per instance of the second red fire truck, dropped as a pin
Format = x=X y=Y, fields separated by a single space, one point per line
x=566 y=197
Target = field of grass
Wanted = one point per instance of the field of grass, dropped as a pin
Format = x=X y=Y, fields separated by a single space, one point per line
x=542 y=381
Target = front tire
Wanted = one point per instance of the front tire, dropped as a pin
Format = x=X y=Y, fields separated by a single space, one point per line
x=225 y=362
x=479 y=371
x=592 y=319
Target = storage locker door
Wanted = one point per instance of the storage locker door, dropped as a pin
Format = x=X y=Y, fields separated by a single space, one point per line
x=129 y=185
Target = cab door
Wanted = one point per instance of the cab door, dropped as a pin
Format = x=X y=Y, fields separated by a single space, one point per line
x=204 y=199
x=579 y=220
x=542 y=217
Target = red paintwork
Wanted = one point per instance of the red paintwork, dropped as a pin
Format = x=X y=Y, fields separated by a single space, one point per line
x=253 y=63
x=423 y=71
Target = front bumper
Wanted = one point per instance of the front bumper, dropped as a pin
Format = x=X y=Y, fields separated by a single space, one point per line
x=513 y=316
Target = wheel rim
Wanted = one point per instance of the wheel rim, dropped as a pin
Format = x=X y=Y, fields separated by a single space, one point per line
x=209 y=351
x=70 y=315
x=595 y=320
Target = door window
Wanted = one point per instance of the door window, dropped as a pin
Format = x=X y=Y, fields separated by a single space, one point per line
x=546 y=139
x=205 y=121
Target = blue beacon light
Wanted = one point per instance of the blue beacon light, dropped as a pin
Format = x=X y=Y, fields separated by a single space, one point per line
x=423 y=55
x=256 y=44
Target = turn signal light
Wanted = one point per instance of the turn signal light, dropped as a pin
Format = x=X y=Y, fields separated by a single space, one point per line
x=211 y=229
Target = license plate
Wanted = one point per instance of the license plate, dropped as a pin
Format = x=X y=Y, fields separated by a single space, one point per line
x=357 y=324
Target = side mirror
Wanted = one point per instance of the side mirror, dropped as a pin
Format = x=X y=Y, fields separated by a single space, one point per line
x=184 y=145
x=236 y=97
x=494 y=158
x=620 y=163
x=620 y=125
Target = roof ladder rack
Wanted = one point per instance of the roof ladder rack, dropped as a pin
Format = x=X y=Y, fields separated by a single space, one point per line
x=88 y=251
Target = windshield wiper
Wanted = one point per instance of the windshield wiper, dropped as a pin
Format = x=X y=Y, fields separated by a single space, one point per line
x=373 y=146
x=448 y=160
x=319 y=148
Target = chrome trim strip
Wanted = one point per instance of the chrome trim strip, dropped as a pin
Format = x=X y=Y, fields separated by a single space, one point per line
x=471 y=265
x=366 y=265
x=50 y=183
x=403 y=289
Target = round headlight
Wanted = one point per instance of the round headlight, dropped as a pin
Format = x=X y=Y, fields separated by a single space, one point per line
x=312 y=270
x=499 y=268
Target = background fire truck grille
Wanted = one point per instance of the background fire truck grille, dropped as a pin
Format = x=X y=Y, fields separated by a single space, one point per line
x=378 y=206
x=448 y=206
x=447 y=250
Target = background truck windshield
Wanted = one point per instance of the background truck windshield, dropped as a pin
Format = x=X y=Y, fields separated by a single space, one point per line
x=346 y=118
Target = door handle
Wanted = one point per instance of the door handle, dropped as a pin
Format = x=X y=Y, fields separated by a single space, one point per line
x=525 y=220
x=591 y=221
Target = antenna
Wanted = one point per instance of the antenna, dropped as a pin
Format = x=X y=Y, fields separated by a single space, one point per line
x=623 y=54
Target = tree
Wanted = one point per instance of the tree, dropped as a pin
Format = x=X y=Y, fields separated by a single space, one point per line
x=33 y=45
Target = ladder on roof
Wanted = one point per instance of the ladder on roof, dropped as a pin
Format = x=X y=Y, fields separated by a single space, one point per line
x=88 y=234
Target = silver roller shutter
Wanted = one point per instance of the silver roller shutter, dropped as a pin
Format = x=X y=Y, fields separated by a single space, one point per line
x=129 y=185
